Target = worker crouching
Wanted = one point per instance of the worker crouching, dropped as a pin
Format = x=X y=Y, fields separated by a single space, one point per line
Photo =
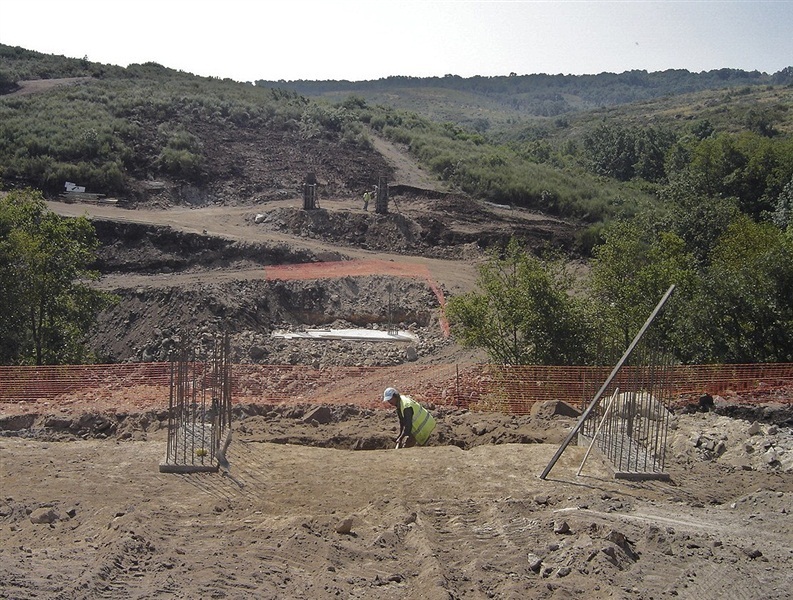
x=415 y=422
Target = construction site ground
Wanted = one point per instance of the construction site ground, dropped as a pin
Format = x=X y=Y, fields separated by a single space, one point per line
x=307 y=512
x=325 y=508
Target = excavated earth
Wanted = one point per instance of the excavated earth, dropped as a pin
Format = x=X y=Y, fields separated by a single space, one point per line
x=317 y=503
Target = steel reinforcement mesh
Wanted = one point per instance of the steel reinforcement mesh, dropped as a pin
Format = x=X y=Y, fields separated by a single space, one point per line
x=511 y=390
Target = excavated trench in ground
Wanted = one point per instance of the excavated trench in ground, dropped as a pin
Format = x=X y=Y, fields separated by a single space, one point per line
x=140 y=248
x=147 y=322
x=346 y=427
x=201 y=295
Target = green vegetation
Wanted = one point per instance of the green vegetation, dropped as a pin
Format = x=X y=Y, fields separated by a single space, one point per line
x=522 y=313
x=482 y=102
x=103 y=133
x=144 y=121
x=608 y=149
x=731 y=302
x=46 y=304
x=677 y=177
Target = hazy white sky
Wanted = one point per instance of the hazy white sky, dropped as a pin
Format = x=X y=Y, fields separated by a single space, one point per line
x=247 y=40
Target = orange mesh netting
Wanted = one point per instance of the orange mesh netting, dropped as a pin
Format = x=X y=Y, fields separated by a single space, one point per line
x=146 y=386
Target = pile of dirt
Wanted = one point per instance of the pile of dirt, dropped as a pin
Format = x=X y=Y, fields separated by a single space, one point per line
x=450 y=227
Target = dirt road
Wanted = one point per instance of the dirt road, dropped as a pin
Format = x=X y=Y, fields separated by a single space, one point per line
x=238 y=224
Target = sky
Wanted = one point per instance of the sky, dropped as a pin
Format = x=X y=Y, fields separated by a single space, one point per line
x=356 y=40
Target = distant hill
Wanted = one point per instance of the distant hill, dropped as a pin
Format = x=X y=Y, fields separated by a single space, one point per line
x=466 y=100
x=588 y=147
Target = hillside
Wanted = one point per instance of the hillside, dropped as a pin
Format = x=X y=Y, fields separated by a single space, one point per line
x=481 y=102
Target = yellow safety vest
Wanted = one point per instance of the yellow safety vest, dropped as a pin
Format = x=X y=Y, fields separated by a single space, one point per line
x=423 y=422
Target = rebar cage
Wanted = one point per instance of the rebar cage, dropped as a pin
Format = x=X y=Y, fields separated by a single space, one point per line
x=199 y=405
x=628 y=418
x=631 y=423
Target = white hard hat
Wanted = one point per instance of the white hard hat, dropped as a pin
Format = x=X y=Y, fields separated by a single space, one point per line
x=388 y=394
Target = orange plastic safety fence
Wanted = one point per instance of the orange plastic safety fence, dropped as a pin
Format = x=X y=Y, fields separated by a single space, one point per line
x=478 y=387
x=49 y=382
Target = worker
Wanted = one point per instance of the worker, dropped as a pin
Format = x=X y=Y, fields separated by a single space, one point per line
x=366 y=197
x=415 y=422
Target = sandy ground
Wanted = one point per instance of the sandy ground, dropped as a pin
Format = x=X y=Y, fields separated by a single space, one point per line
x=96 y=519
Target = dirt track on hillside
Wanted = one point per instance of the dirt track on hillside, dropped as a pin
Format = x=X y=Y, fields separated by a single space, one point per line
x=237 y=223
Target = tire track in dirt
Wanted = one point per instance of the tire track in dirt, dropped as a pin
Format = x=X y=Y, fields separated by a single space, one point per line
x=494 y=529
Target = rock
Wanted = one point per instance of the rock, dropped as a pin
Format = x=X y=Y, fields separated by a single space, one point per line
x=551 y=408
x=320 y=414
x=706 y=403
x=44 y=515
x=345 y=526
x=754 y=428
x=535 y=562
x=479 y=429
x=611 y=553
x=561 y=527
x=257 y=352
x=619 y=539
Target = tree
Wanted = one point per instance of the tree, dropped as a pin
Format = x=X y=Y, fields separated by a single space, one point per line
x=699 y=220
x=522 y=313
x=783 y=212
x=734 y=282
x=7 y=82
x=630 y=273
x=628 y=152
x=46 y=304
x=745 y=306
x=749 y=167
x=610 y=151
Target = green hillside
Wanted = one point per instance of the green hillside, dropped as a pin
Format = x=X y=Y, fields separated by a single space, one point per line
x=586 y=147
x=665 y=178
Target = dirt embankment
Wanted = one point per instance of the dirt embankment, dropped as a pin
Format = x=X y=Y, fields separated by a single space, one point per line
x=207 y=269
